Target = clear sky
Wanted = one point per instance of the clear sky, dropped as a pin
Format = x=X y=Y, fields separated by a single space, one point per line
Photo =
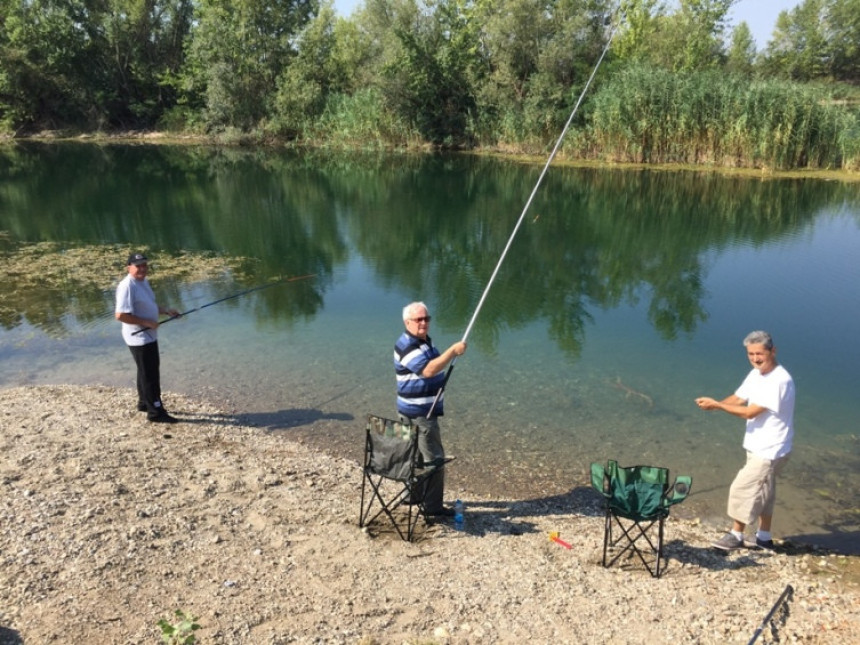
x=760 y=15
x=345 y=7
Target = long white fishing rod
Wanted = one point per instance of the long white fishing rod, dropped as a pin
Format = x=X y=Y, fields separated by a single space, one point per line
x=523 y=214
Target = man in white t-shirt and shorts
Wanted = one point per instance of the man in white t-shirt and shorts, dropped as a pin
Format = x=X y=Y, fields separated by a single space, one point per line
x=766 y=400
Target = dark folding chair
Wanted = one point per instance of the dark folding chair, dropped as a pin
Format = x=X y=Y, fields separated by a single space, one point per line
x=637 y=500
x=394 y=476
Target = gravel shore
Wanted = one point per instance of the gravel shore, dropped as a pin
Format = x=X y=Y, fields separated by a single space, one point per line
x=109 y=524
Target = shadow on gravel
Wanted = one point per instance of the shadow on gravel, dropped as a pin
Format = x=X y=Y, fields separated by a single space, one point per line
x=10 y=637
x=269 y=421
x=711 y=558
x=293 y=418
x=508 y=517
x=837 y=541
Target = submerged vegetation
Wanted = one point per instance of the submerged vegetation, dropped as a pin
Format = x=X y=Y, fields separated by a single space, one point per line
x=80 y=279
x=678 y=84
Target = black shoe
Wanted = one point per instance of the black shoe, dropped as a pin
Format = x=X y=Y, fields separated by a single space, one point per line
x=442 y=512
x=758 y=543
x=141 y=407
x=163 y=418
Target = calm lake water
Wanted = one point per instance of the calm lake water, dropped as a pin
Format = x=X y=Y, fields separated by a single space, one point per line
x=624 y=295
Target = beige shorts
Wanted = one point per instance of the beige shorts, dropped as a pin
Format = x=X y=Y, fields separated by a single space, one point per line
x=753 y=491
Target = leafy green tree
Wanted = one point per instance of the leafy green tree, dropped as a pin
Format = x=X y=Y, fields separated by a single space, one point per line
x=537 y=52
x=742 y=51
x=430 y=85
x=687 y=39
x=87 y=63
x=513 y=33
x=639 y=31
x=843 y=23
x=698 y=28
x=331 y=59
x=378 y=23
x=798 y=49
x=237 y=50
x=564 y=63
x=46 y=46
x=303 y=85
x=143 y=51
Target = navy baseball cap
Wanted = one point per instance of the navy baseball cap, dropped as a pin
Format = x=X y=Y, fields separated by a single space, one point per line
x=136 y=258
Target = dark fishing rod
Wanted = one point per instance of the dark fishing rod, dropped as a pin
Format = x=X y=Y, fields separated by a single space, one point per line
x=523 y=214
x=235 y=295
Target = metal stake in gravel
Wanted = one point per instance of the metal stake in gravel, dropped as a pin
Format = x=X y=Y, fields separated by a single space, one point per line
x=783 y=600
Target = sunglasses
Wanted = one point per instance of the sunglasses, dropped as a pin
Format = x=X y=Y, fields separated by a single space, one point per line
x=422 y=319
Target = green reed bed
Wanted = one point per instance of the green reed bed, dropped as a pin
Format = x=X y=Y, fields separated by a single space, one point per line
x=361 y=120
x=647 y=115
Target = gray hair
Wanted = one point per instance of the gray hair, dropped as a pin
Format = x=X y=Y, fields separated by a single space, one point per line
x=407 y=310
x=759 y=338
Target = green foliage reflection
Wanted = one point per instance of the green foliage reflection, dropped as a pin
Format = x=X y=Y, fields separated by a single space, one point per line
x=430 y=227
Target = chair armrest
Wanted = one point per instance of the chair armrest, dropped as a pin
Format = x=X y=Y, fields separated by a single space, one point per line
x=437 y=464
x=598 y=479
x=679 y=490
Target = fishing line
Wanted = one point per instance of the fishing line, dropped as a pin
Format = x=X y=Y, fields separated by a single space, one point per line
x=235 y=295
x=523 y=214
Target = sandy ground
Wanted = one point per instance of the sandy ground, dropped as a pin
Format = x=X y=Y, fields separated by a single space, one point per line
x=109 y=524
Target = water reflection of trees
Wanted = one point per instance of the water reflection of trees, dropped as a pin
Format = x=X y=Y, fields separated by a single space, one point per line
x=430 y=226
x=593 y=239
x=170 y=200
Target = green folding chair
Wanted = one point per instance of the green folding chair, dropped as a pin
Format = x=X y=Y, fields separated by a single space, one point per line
x=638 y=499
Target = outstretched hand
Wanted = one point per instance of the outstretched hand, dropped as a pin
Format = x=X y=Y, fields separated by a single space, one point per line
x=707 y=403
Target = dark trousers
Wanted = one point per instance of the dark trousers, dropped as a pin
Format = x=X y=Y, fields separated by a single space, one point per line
x=148 y=377
x=430 y=447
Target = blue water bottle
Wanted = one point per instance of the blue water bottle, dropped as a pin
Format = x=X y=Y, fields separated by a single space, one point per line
x=459 y=518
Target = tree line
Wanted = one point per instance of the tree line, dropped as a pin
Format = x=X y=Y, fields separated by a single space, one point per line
x=678 y=83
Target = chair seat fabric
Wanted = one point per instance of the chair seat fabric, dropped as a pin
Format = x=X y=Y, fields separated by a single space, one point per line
x=391 y=458
x=637 y=491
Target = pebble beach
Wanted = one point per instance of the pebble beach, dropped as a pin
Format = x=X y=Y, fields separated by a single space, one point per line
x=109 y=524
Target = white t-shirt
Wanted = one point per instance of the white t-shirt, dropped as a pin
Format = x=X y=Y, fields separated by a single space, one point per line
x=136 y=297
x=769 y=435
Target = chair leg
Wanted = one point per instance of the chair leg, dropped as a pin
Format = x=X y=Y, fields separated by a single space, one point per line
x=361 y=508
x=660 y=546
x=633 y=534
x=607 y=533
x=386 y=507
x=375 y=497
x=417 y=510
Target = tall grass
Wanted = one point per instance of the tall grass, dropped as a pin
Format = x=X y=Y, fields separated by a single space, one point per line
x=649 y=115
x=361 y=120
